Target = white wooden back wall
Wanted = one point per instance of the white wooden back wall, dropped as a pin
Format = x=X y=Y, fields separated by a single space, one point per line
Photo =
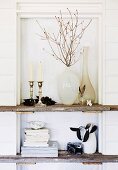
x=110 y=119
x=8 y=81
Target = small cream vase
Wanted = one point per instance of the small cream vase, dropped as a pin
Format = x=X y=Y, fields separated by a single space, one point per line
x=89 y=93
x=90 y=145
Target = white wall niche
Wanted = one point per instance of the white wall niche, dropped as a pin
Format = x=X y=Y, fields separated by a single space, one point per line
x=32 y=51
x=27 y=13
x=29 y=44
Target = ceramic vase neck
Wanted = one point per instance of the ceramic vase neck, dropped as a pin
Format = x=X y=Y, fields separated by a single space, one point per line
x=85 y=62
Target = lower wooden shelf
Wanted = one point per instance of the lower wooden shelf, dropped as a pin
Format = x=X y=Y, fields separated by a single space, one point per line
x=64 y=157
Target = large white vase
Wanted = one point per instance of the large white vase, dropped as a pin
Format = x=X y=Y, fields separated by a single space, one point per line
x=68 y=84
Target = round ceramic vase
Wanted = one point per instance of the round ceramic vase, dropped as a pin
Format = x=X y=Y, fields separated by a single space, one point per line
x=68 y=84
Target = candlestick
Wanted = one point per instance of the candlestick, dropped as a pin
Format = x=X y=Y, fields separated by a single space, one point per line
x=40 y=83
x=40 y=78
x=31 y=83
x=31 y=72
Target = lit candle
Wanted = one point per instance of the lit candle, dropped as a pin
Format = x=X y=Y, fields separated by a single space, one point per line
x=31 y=72
x=40 y=72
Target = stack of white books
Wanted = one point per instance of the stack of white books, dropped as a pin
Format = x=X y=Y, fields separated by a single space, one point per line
x=50 y=151
x=36 y=138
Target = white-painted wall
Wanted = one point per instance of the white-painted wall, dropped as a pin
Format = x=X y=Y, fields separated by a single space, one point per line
x=8 y=121
x=8 y=52
x=109 y=119
x=8 y=89
x=62 y=166
x=8 y=166
x=111 y=51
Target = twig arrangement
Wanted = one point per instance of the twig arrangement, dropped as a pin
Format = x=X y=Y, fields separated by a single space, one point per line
x=67 y=39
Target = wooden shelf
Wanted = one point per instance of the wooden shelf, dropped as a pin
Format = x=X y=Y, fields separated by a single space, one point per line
x=57 y=108
x=64 y=157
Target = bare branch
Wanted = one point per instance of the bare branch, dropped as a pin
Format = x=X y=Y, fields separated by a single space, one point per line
x=68 y=38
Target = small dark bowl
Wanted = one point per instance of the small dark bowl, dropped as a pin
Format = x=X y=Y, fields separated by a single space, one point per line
x=29 y=102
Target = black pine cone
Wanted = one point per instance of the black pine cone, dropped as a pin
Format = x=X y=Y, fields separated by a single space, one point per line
x=48 y=101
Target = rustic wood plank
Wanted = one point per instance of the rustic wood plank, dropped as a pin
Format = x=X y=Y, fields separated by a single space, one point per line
x=113 y=107
x=59 y=108
x=54 y=108
x=64 y=157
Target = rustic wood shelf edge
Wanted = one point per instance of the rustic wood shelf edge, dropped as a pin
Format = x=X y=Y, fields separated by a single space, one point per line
x=64 y=157
x=59 y=108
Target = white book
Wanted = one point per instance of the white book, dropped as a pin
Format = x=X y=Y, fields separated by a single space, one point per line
x=28 y=148
x=37 y=135
x=32 y=131
x=50 y=151
x=37 y=138
x=40 y=155
x=39 y=151
x=37 y=141
x=35 y=144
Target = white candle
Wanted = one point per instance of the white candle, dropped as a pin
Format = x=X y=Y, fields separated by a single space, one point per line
x=40 y=72
x=31 y=72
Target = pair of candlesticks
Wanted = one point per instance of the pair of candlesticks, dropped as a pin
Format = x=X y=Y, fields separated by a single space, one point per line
x=40 y=83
